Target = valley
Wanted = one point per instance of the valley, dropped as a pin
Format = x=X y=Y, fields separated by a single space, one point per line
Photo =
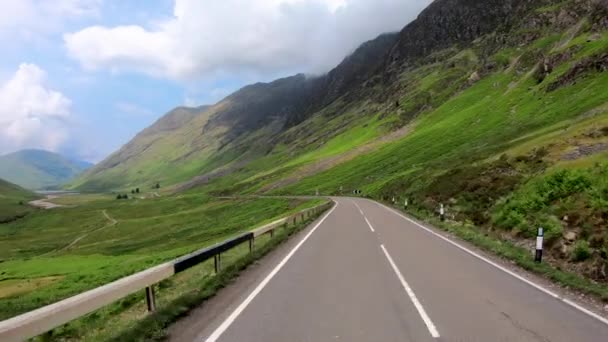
x=497 y=112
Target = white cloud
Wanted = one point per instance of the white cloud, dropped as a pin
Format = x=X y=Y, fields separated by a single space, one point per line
x=31 y=115
x=205 y=38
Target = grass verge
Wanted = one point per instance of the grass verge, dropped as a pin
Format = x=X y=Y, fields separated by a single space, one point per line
x=522 y=257
x=127 y=320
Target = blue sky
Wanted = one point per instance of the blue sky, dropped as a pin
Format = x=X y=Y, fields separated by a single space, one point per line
x=82 y=77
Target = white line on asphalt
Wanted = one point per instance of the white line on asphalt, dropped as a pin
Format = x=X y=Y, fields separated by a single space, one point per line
x=358 y=207
x=412 y=295
x=365 y=217
x=509 y=272
x=228 y=321
x=369 y=224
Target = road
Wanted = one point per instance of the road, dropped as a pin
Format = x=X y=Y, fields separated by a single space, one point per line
x=364 y=272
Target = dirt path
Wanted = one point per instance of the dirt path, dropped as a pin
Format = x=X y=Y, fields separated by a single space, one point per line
x=44 y=204
x=112 y=222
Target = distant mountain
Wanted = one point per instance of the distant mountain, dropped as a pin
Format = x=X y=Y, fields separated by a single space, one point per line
x=38 y=169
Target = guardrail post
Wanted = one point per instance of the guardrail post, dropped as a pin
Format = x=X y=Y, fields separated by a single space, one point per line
x=272 y=233
x=217 y=261
x=251 y=245
x=150 y=298
x=47 y=336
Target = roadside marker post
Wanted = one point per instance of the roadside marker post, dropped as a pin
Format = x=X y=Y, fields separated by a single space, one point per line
x=405 y=203
x=442 y=212
x=538 y=257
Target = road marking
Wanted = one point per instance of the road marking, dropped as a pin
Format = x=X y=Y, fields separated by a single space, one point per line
x=509 y=272
x=228 y=321
x=365 y=217
x=358 y=207
x=369 y=224
x=412 y=295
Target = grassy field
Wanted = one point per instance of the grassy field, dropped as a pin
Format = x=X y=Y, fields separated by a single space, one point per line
x=52 y=254
x=128 y=320
x=13 y=201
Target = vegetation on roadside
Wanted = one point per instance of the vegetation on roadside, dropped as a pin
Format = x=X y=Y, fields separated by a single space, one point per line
x=521 y=256
x=52 y=254
x=127 y=320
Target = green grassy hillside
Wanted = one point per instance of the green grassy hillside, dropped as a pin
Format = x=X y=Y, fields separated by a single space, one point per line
x=38 y=169
x=13 y=201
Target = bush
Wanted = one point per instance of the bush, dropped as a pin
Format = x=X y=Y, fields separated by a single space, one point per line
x=509 y=218
x=552 y=227
x=581 y=251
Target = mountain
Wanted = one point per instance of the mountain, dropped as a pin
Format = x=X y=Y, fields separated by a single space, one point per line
x=38 y=169
x=13 y=201
x=496 y=108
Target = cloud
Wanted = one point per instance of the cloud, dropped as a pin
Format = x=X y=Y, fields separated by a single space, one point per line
x=207 y=38
x=31 y=115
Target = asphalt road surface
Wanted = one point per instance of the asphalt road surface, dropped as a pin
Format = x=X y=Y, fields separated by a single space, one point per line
x=364 y=272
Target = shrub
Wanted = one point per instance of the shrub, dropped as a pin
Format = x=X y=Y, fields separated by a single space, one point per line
x=581 y=251
x=552 y=227
x=509 y=218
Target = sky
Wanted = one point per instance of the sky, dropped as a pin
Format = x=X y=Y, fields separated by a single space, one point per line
x=82 y=77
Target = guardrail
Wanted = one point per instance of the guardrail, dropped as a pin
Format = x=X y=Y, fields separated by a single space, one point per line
x=46 y=318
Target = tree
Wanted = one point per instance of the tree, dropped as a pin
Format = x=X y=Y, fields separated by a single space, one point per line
x=119 y=196
x=132 y=191
x=137 y=190
x=157 y=186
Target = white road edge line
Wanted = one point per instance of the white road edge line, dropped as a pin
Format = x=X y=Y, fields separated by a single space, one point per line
x=233 y=316
x=365 y=217
x=509 y=272
x=425 y=317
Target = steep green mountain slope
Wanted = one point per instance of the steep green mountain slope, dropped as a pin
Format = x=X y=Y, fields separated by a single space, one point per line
x=38 y=169
x=497 y=109
x=13 y=201
x=216 y=140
